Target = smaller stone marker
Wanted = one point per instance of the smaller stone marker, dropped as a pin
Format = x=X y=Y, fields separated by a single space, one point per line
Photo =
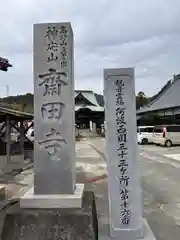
x=124 y=186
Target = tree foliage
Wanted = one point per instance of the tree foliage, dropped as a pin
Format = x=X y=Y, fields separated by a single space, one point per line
x=141 y=100
x=20 y=102
x=25 y=102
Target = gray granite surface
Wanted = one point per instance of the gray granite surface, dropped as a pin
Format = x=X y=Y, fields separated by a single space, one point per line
x=54 y=144
x=121 y=147
x=59 y=224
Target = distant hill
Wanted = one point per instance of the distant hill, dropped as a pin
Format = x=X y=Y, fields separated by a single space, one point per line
x=19 y=102
x=25 y=102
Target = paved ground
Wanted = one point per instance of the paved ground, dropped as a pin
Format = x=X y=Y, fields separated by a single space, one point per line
x=160 y=150
x=160 y=178
x=160 y=185
x=89 y=166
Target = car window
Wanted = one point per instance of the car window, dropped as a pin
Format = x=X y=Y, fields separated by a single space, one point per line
x=158 y=130
x=173 y=128
x=142 y=130
x=150 y=129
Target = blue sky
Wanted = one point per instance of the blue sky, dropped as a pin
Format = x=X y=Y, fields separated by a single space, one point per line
x=144 y=34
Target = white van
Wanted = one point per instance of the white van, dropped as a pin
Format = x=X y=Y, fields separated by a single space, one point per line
x=145 y=134
x=166 y=135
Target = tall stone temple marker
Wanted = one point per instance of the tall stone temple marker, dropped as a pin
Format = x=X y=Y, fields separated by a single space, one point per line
x=54 y=145
x=56 y=207
x=125 y=204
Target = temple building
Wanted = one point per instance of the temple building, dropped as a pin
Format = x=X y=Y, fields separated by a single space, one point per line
x=89 y=112
x=164 y=108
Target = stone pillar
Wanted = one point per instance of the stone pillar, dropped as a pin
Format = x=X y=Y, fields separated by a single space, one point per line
x=54 y=115
x=57 y=207
x=94 y=127
x=54 y=120
x=121 y=134
x=22 y=140
x=90 y=125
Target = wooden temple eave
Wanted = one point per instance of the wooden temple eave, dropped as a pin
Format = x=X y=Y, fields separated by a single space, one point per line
x=10 y=121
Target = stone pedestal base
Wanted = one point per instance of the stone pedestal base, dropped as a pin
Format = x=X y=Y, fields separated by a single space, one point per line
x=31 y=200
x=50 y=224
x=147 y=234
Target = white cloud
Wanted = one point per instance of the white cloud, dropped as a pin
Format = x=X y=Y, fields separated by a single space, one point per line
x=119 y=33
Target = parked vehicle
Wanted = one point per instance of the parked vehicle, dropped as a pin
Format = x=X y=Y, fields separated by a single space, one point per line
x=145 y=134
x=166 y=135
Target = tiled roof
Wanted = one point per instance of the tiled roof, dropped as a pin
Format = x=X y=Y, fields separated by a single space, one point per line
x=169 y=98
x=92 y=108
x=18 y=114
x=89 y=95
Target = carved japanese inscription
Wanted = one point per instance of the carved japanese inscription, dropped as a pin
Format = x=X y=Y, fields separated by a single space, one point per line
x=52 y=111
x=52 y=44
x=63 y=36
x=121 y=147
x=53 y=81
x=57 y=40
x=52 y=144
x=122 y=152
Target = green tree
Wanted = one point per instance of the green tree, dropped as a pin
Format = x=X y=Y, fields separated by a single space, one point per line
x=141 y=100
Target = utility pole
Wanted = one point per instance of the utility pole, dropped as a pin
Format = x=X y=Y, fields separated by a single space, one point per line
x=7 y=90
